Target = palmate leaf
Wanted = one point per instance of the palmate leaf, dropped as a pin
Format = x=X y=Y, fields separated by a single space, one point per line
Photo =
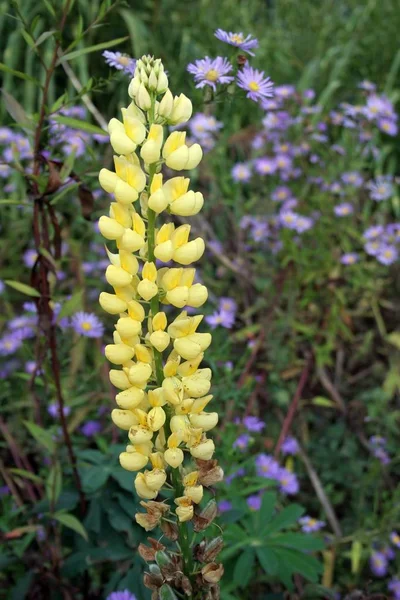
x=268 y=559
x=287 y=517
x=296 y=562
x=243 y=570
x=296 y=541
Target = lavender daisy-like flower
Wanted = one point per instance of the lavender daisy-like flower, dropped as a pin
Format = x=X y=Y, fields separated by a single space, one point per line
x=9 y=344
x=224 y=506
x=281 y=193
x=222 y=317
x=395 y=539
x=388 y=126
x=238 y=40
x=290 y=446
x=29 y=257
x=254 y=502
x=387 y=254
x=242 y=441
x=303 y=224
x=350 y=258
x=265 y=165
x=253 y=424
x=288 y=482
x=267 y=466
x=227 y=304
x=352 y=178
x=381 y=188
x=211 y=71
x=308 y=524
x=125 y=595
x=121 y=62
x=378 y=564
x=202 y=125
x=255 y=84
x=87 y=324
x=373 y=248
x=344 y=209
x=394 y=587
x=54 y=411
x=91 y=428
x=373 y=232
x=241 y=172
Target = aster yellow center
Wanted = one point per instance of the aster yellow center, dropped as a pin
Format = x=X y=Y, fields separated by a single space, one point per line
x=86 y=326
x=212 y=75
x=237 y=38
x=388 y=254
x=253 y=85
x=123 y=60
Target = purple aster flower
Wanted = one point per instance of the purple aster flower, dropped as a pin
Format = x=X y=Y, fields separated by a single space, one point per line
x=87 y=324
x=9 y=344
x=253 y=424
x=77 y=143
x=395 y=539
x=254 y=502
x=4 y=491
x=373 y=232
x=284 y=91
x=381 y=188
x=373 y=248
x=91 y=428
x=394 y=587
x=119 y=61
x=290 y=446
x=242 y=441
x=227 y=304
x=309 y=525
x=239 y=473
x=350 y=258
x=255 y=83
x=388 y=126
x=309 y=94
x=378 y=564
x=344 y=209
x=30 y=367
x=210 y=71
x=6 y=135
x=238 y=40
x=303 y=224
x=377 y=441
x=267 y=466
x=125 y=595
x=283 y=162
x=288 y=482
x=366 y=85
x=7 y=368
x=2 y=286
x=265 y=165
x=352 y=178
x=224 y=506
x=201 y=125
x=53 y=410
x=288 y=219
x=241 y=172
x=389 y=552
x=5 y=171
x=29 y=257
x=338 y=149
x=387 y=254
x=221 y=317
x=281 y=193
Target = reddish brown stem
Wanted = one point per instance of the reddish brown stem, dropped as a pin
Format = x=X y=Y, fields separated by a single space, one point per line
x=293 y=406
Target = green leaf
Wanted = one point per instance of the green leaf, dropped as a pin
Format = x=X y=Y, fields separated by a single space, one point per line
x=68 y=165
x=322 y=401
x=268 y=560
x=93 y=518
x=95 y=48
x=72 y=523
x=81 y=125
x=167 y=593
x=65 y=190
x=44 y=36
x=243 y=570
x=15 y=109
x=297 y=541
x=298 y=562
x=17 y=202
x=314 y=590
x=124 y=478
x=26 y=475
x=93 y=478
x=23 y=288
x=288 y=516
x=71 y=305
x=43 y=437
x=394 y=339
x=54 y=484
x=19 y=74
x=267 y=506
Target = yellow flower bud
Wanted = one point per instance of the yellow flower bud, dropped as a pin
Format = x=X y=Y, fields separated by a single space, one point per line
x=142 y=489
x=164 y=251
x=173 y=390
x=151 y=149
x=157 y=201
x=138 y=434
x=143 y=99
x=194 y=493
x=118 y=353
x=162 y=83
x=198 y=294
x=108 y=180
x=173 y=457
x=133 y=461
x=182 y=110
x=187 y=205
x=128 y=262
x=130 y=398
x=119 y=379
x=160 y=340
x=159 y=321
x=117 y=276
x=112 y=304
x=157 y=460
x=195 y=156
x=156 y=418
x=110 y=229
x=204 y=450
x=189 y=367
x=155 y=479
x=184 y=513
x=190 y=252
x=140 y=373
x=166 y=105
x=124 y=419
x=180 y=424
x=156 y=397
x=204 y=421
x=136 y=310
x=147 y=289
x=143 y=353
x=191 y=479
x=125 y=193
x=130 y=241
x=128 y=327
